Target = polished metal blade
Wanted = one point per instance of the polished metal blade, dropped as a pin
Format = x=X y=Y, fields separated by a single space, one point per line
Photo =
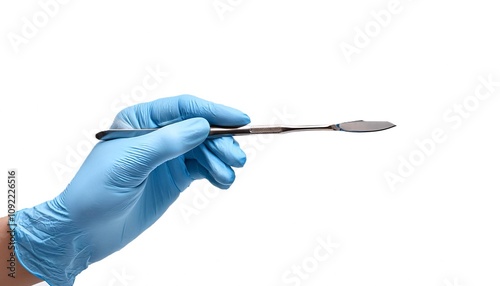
x=364 y=126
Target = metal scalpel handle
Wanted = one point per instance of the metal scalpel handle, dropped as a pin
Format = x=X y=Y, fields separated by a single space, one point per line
x=217 y=131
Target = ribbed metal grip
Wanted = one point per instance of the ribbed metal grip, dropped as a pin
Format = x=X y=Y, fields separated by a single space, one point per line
x=266 y=129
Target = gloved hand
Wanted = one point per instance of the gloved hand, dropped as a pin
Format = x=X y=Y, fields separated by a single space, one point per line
x=125 y=185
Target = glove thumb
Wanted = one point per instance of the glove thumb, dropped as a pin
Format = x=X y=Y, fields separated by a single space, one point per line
x=153 y=149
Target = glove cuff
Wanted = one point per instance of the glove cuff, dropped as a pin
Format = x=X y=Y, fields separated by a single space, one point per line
x=49 y=246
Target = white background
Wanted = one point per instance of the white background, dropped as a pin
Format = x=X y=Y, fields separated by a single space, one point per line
x=439 y=226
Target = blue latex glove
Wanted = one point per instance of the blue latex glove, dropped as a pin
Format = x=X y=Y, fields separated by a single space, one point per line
x=125 y=185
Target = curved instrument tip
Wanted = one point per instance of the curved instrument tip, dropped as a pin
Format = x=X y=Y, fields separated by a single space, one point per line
x=365 y=126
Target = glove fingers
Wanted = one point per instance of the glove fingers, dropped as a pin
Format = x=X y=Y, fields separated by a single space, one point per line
x=197 y=171
x=216 y=114
x=169 y=110
x=228 y=150
x=145 y=153
x=221 y=172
